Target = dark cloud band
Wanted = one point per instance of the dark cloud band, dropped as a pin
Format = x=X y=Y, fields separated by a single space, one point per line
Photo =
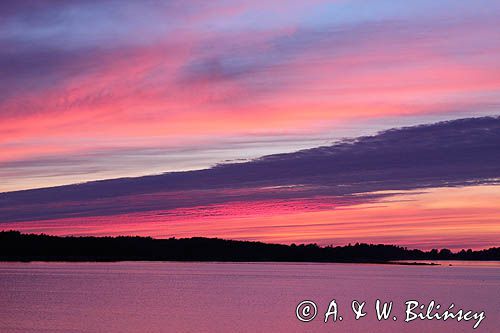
x=453 y=153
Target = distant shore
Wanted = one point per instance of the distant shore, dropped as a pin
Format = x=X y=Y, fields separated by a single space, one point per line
x=15 y=246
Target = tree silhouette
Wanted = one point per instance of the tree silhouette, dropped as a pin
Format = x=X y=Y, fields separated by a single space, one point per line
x=15 y=246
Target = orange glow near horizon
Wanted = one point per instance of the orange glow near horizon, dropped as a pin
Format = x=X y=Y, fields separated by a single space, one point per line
x=455 y=218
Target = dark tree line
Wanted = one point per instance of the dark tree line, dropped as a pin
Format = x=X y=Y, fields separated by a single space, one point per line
x=15 y=246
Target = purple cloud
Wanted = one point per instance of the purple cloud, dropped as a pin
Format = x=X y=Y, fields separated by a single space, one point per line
x=452 y=153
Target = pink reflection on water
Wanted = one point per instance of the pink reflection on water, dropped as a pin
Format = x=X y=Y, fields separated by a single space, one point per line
x=233 y=297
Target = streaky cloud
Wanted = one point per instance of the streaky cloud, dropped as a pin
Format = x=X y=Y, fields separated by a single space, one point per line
x=452 y=153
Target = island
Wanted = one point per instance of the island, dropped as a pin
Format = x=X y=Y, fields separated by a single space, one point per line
x=16 y=246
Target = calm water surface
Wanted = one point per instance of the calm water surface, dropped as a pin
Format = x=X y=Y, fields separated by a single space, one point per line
x=235 y=297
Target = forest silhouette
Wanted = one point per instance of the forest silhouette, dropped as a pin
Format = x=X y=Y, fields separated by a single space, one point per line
x=15 y=246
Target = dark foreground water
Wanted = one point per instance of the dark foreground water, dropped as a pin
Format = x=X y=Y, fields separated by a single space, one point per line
x=237 y=297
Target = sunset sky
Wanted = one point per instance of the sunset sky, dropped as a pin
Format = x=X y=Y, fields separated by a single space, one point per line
x=93 y=90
